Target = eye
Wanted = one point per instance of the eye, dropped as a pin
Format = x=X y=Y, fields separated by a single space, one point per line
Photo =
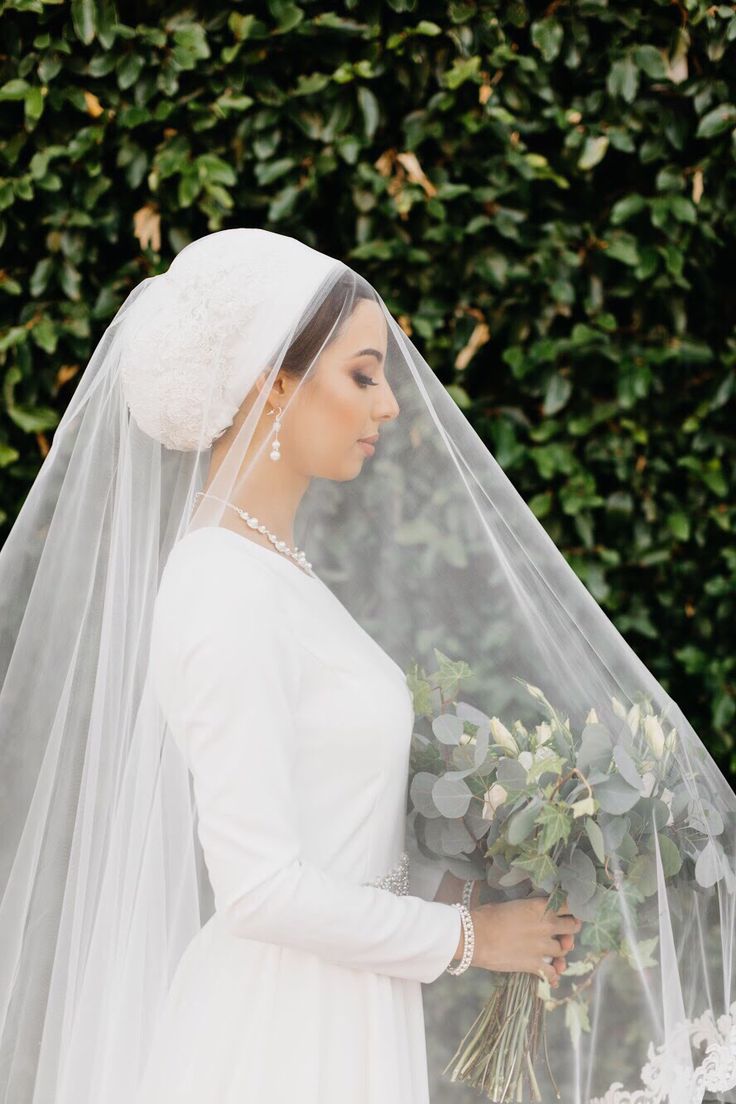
x=364 y=381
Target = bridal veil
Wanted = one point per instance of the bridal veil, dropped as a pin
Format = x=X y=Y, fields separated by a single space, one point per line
x=435 y=553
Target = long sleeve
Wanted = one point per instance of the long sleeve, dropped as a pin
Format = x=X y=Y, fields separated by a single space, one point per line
x=227 y=671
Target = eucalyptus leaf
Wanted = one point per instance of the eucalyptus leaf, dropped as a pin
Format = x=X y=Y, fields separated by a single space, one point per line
x=578 y=879
x=520 y=825
x=595 y=747
x=669 y=854
x=615 y=795
x=511 y=774
x=447 y=728
x=708 y=865
x=420 y=792
x=451 y=796
x=456 y=839
x=595 y=835
x=627 y=767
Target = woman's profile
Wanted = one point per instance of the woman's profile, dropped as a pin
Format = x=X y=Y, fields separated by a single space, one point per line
x=261 y=516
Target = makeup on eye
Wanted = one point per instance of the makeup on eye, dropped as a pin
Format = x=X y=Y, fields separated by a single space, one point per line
x=364 y=381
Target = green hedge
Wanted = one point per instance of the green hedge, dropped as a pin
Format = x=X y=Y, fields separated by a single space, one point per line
x=544 y=193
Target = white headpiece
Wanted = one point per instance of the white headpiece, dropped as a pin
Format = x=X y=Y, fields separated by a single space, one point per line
x=191 y=343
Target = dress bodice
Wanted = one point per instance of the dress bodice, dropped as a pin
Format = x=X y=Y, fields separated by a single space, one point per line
x=296 y=726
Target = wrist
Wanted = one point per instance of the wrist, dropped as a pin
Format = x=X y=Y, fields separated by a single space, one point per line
x=465 y=949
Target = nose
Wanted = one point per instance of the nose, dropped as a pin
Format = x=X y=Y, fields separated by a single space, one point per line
x=386 y=408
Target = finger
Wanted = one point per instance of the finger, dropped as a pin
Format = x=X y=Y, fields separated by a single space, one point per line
x=546 y=973
x=551 y=948
x=565 y=924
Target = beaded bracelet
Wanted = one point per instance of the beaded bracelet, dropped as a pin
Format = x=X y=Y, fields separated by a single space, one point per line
x=469 y=939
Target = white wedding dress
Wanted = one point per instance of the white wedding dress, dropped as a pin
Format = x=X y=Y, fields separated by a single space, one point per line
x=305 y=984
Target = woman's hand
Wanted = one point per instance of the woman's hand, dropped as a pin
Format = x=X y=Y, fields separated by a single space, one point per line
x=517 y=936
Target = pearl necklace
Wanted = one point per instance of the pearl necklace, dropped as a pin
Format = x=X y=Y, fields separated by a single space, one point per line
x=253 y=523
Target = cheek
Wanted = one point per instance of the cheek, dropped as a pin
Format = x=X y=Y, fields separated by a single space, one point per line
x=341 y=411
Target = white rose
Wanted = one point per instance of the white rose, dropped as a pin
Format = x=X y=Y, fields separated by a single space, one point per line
x=592 y=717
x=544 y=732
x=502 y=736
x=492 y=798
x=618 y=708
x=654 y=735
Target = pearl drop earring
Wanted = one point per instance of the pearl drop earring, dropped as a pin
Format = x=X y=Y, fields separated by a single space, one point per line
x=275 y=453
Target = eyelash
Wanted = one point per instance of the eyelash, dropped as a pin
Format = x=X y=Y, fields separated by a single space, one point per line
x=364 y=381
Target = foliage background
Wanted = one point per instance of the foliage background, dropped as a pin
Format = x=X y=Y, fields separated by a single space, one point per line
x=543 y=193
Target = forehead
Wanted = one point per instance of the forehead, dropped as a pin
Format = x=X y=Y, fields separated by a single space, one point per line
x=366 y=327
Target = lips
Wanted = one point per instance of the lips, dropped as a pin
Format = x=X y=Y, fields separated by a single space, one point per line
x=369 y=440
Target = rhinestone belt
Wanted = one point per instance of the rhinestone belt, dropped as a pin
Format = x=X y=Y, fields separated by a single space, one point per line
x=397 y=879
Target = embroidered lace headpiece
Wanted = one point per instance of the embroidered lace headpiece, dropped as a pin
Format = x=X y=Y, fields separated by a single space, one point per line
x=191 y=342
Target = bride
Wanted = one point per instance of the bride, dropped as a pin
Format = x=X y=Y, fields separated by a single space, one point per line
x=260 y=518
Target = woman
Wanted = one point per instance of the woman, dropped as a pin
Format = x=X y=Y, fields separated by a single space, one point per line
x=223 y=417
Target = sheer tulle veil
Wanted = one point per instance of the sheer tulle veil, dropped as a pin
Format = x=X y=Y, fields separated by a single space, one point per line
x=434 y=552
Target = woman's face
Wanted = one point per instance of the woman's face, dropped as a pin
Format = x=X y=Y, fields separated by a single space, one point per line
x=345 y=396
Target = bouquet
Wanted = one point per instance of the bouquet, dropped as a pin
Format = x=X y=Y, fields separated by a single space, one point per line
x=580 y=815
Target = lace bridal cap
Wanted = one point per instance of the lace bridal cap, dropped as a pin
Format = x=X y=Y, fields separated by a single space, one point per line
x=433 y=551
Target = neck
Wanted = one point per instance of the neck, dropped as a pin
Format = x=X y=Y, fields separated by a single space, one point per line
x=272 y=493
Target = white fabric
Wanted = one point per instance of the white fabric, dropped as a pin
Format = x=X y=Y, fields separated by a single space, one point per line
x=296 y=724
x=192 y=345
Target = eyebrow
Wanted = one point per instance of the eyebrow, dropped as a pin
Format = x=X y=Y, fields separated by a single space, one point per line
x=369 y=352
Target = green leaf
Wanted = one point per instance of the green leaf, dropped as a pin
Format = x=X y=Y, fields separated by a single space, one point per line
x=578 y=879
x=555 y=823
x=463 y=69
x=679 y=525
x=643 y=874
x=8 y=455
x=520 y=825
x=615 y=795
x=650 y=61
x=594 y=150
x=625 y=208
x=669 y=854
x=716 y=121
x=14 y=90
x=547 y=36
x=596 y=839
x=369 y=109
x=541 y=869
x=84 y=20
x=623 y=79
x=451 y=796
x=623 y=249
x=557 y=393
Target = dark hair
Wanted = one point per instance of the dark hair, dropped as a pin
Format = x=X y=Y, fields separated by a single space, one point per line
x=349 y=288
